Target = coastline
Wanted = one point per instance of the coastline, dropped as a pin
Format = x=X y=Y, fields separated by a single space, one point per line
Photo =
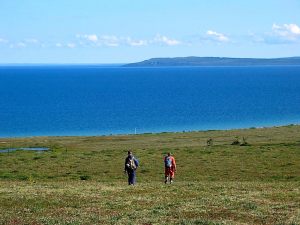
x=156 y=133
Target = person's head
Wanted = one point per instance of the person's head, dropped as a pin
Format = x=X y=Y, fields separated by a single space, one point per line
x=129 y=153
x=169 y=153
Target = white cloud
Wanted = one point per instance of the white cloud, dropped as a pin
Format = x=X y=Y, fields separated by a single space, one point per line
x=31 y=41
x=213 y=35
x=87 y=39
x=109 y=40
x=91 y=37
x=132 y=42
x=18 y=45
x=279 y=34
x=4 y=41
x=59 y=45
x=165 y=40
x=21 y=45
x=94 y=40
x=289 y=32
x=71 y=45
x=115 y=41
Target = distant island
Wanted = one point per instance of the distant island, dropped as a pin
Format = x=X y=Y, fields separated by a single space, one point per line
x=215 y=61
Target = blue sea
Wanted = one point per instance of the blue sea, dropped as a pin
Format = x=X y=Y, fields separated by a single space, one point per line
x=102 y=100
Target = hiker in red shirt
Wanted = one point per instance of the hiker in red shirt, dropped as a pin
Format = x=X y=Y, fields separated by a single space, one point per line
x=170 y=168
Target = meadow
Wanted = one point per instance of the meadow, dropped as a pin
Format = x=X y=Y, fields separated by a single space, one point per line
x=81 y=180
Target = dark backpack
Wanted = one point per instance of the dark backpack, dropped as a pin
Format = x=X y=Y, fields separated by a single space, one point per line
x=168 y=162
x=131 y=164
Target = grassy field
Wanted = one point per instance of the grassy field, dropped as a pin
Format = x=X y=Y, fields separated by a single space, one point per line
x=81 y=180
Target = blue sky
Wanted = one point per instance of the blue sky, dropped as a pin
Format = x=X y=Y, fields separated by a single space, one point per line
x=120 y=31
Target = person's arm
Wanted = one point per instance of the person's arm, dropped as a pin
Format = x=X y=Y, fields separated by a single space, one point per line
x=136 y=162
x=125 y=168
x=174 y=164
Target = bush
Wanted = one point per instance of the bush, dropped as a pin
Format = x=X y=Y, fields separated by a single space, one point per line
x=245 y=143
x=236 y=141
x=84 y=177
x=209 y=142
x=240 y=143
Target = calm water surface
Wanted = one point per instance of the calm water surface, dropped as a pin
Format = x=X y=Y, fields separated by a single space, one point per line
x=95 y=100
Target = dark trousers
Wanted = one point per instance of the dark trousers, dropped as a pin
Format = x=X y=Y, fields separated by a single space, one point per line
x=131 y=177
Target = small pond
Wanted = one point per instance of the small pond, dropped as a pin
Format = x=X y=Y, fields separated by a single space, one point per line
x=23 y=149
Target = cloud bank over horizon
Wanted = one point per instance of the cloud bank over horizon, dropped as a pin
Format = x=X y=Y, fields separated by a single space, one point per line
x=280 y=34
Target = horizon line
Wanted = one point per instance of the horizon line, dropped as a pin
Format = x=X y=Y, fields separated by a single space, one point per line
x=119 y=63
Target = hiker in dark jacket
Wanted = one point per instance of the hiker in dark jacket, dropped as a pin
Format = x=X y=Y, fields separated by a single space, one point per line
x=131 y=164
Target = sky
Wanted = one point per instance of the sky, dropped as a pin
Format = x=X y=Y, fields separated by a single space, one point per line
x=122 y=31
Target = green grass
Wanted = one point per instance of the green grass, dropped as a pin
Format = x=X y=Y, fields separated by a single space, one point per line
x=81 y=180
